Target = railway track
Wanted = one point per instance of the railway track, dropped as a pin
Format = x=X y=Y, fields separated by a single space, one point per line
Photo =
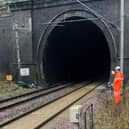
x=16 y=100
x=7 y=99
x=42 y=115
x=13 y=104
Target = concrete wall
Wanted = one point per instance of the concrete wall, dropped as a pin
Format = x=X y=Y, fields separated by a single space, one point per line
x=8 y=51
x=126 y=48
x=5 y=44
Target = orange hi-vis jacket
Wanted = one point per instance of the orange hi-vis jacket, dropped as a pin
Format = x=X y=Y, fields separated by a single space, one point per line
x=118 y=81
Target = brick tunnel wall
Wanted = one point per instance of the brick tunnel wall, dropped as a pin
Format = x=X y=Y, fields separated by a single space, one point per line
x=43 y=13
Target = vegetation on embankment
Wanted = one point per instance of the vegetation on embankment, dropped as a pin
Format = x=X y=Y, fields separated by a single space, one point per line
x=114 y=116
x=10 y=88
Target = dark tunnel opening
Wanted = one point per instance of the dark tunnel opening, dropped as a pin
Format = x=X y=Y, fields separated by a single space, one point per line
x=76 y=51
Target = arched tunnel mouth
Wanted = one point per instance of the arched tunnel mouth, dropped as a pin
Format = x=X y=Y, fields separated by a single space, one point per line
x=76 y=51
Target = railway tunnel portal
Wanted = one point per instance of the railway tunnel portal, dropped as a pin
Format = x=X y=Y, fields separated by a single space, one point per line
x=76 y=46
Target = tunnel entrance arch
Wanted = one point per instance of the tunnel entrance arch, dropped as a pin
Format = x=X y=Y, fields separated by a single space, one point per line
x=73 y=51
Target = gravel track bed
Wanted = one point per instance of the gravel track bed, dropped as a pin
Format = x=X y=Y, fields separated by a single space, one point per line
x=15 y=94
x=16 y=111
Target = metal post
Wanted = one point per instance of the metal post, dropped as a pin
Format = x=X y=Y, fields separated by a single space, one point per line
x=92 y=115
x=18 y=51
x=75 y=125
x=85 y=120
x=122 y=20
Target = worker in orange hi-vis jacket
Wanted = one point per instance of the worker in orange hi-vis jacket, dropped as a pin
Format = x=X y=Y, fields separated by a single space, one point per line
x=118 y=82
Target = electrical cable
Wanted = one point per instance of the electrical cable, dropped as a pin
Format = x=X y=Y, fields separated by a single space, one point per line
x=92 y=19
x=98 y=15
x=103 y=19
x=70 y=21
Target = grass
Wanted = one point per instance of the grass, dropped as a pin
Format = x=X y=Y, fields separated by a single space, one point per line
x=114 y=116
x=10 y=88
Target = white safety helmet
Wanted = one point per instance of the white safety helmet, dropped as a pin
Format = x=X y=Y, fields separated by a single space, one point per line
x=117 y=68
